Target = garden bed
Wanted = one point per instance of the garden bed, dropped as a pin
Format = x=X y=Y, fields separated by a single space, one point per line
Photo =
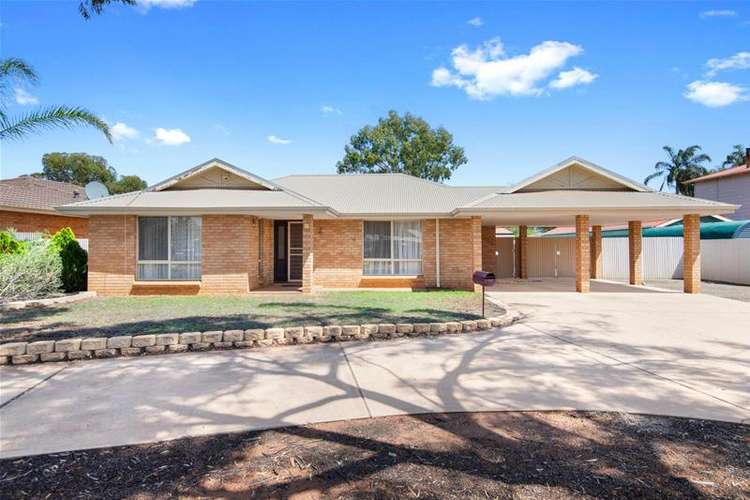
x=541 y=455
x=115 y=316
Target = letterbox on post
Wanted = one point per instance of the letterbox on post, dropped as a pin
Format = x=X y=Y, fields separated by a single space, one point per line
x=484 y=279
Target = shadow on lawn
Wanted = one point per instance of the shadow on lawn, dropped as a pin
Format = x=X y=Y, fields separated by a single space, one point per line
x=21 y=323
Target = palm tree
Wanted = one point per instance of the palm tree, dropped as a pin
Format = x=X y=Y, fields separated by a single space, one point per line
x=736 y=157
x=17 y=127
x=86 y=7
x=682 y=166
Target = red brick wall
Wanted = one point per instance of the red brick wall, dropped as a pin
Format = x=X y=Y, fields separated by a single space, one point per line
x=112 y=250
x=38 y=223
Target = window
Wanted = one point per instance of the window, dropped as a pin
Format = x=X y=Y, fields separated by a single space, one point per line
x=392 y=248
x=169 y=248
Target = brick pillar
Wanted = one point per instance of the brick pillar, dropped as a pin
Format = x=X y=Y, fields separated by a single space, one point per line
x=583 y=254
x=691 y=257
x=307 y=253
x=476 y=243
x=596 y=252
x=523 y=247
x=635 y=251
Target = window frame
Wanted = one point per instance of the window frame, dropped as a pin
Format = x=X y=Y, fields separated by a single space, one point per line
x=169 y=260
x=393 y=260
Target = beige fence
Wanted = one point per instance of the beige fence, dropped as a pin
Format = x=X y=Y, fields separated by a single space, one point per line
x=721 y=260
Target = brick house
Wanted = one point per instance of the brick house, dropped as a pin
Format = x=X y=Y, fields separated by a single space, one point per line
x=27 y=204
x=218 y=229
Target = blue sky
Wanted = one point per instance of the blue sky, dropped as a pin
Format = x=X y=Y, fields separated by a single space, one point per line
x=278 y=88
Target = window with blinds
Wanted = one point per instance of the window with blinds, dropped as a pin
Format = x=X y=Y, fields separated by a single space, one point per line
x=169 y=249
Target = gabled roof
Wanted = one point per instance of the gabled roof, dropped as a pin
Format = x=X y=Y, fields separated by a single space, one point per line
x=38 y=195
x=210 y=164
x=585 y=164
x=727 y=172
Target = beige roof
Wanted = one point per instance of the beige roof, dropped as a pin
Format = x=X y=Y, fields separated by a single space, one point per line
x=591 y=199
x=37 y=195
x=195 y=200
x=383 y=194
x=399 y=195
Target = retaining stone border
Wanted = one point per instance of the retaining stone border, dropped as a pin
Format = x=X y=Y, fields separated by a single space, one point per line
x=63 y=299
x=21 y=353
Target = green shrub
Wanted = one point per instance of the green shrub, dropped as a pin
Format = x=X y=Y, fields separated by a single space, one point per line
x=74 y=259
x=32 y=274
x=9 y=244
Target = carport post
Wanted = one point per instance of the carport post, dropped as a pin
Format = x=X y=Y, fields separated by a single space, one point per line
x=691 y=253
x=596 y=252
x=635 y=250
x=523 y=246
x=583 y=254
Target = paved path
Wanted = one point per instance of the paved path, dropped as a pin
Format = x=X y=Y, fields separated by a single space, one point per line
x=594 y=352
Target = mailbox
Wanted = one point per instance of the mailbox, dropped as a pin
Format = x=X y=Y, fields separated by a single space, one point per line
x=484 y=278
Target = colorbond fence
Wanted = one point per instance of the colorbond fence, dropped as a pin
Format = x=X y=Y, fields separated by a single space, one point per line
x=721 y=260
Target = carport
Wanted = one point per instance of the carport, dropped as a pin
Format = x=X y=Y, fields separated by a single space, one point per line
x=577 y=192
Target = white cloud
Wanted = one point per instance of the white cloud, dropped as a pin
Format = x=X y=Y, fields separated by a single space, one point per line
x=145 y=5
x=330 y=110
x=221 y=128
x=171 y=136
x=718 y=13
x=715 y=94
x=278 y=140
x=475 y=21
x=741 y=60
x=576 y=76
x=24 y=98
x=486 y=71
x=121 y=131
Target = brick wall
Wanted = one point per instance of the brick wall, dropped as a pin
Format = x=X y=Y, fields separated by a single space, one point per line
x=691 y=259
x=38 y=223
x=489 y=242
x=583 y=254
x=457 y=253
x=338 y=253
x=635 y=252
x=112 y=240
x=230 y=254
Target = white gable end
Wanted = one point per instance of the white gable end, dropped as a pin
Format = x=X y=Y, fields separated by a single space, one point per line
x=575 y=177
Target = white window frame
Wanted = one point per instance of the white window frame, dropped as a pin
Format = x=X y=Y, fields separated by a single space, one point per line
x=168 y=262
x=391 y=259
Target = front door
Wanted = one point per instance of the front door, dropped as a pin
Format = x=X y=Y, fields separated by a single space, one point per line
x=280 y=262
x=295 y=251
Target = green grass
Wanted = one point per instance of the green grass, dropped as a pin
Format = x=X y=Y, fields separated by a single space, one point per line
x=135 y=315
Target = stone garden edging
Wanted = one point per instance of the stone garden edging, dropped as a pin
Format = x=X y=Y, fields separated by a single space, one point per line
x=21 y=353
x=62 y=299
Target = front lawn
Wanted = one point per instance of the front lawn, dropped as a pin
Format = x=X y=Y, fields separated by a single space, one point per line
x=163 y=314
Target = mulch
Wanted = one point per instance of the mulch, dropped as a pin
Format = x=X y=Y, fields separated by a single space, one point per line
x=542 y=455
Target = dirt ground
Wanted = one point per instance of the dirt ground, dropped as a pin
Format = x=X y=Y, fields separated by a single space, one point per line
x=481 y=455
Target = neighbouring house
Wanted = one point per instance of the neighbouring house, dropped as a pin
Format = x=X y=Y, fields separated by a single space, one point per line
x=27 y=204
x=218 y=229
x=731 y=185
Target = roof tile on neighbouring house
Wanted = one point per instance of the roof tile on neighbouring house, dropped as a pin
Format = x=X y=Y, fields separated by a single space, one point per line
x=32 y=193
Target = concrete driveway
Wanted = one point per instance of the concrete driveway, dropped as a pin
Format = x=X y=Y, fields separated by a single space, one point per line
x=686 y=356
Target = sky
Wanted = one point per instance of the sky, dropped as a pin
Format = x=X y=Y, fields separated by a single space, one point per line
x=278 y=88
